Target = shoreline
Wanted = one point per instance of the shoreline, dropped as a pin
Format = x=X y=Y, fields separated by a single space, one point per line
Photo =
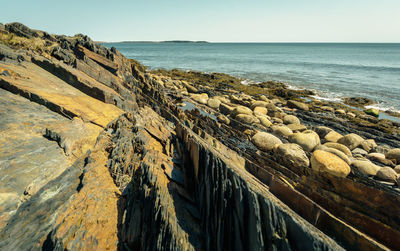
x=384 y=113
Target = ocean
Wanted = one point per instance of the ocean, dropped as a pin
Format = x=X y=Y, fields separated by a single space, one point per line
x=332 y=70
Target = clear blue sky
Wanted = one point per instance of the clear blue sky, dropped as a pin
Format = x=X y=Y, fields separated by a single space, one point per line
x=213 y=20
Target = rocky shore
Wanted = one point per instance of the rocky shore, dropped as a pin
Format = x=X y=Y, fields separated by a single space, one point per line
x=97 y=152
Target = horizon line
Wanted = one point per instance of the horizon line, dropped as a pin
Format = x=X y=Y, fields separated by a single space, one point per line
x=237 y=42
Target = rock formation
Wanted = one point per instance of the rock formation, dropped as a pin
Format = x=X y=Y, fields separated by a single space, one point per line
x=99 y=153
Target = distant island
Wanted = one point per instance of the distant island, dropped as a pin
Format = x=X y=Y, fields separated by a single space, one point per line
x=168 y=41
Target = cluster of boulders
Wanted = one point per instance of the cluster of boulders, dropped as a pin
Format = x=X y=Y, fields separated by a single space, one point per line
x=294 y=145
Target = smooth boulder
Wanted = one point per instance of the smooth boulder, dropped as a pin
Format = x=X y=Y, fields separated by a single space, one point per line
x=308 y=139
x=281 y=130
x=214 y=103
x=265 y=141
x=394 y=154
x=339 y=147
x=241 y=110
x=290 y=119
x=351 y=140
x=200 y=98
x=322 y=161
x=366 y=167
x=332 y=136
x=386 y=174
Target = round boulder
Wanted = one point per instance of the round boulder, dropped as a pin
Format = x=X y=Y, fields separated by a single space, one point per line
x=322 y=161
x=260 y=110
x=393 y=154
x=258 y=103
x=241 y=110
x=290 y=119
x=214 y=103
x=308 y=139
x=366 y=167
x=386 y=174
x=281 y=130
x=292 y=155
x=265 y=141
x=339 y=147
x=264 y=120
x=332 y=136
x=351 y=140
x=245 y=118
x=200 y=98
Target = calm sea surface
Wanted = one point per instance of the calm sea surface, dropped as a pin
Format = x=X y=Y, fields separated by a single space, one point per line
x=333 y=70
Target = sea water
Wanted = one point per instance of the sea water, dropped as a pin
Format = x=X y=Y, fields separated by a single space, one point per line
x=333 y=70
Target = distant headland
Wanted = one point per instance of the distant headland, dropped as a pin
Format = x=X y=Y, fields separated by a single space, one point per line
x=168 y=41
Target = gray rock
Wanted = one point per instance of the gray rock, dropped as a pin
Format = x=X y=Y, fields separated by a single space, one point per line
x=292 y=155
x=366 y=167
x=393 y=154
x=359 y=152
x=387 y=174
x=351 y=140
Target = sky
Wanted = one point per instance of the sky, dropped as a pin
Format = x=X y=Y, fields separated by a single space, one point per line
x=213 y=20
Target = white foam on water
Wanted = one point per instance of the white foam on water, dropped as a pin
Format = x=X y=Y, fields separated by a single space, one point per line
x=332 y=99
x=382 y=107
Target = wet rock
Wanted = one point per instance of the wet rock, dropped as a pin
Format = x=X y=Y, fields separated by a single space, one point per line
x=308 y=139
x=372 y=111
x=340 y=111
x=366 y=167
x=387 y=174
x=332 y=136
x=297 y=105
x=214 y=103
x=322 y=161
x=292 y=155
x=393 y=154
x=265 y=141
x=290 y=119
x=351 y=140
x=358 y=101
x=339 y=147
x=281 y=130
